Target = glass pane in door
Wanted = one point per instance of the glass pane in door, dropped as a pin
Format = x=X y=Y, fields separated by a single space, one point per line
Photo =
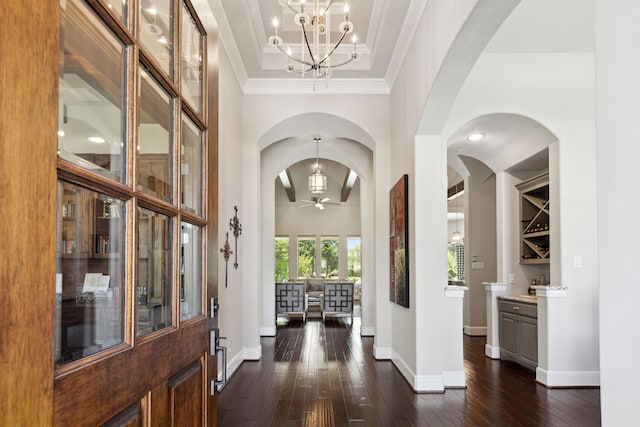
x=119 y=9
x=191 y=167
x=90 y=290
x=191 y=61
x=154 y=286
x=190 y=271
x=91 y=131
x=154 y=139
x=155 y=32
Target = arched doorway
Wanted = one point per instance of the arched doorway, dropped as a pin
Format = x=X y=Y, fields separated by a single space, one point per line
x=347 y=155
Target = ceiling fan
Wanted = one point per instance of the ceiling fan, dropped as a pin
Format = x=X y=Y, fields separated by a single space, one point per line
x=318 y=202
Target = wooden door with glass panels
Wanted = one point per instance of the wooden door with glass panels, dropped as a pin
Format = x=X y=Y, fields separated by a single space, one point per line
x=136 y=217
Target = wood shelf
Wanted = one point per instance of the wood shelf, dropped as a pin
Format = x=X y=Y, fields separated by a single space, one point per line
x=535 y=216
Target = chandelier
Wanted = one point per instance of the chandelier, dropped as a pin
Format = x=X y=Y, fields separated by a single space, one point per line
x=317 y=180
x=316 y=49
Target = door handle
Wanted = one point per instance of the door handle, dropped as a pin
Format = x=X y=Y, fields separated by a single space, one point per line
x=215 y=349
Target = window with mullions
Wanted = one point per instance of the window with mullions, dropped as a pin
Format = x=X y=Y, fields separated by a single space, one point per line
x=282 y=259
x=455 y=262
x=330 y=251
x=307 y=257
x=354 y=259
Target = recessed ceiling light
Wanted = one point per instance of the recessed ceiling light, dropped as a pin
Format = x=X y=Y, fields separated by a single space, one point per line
x=97 y=140
x=475 y=137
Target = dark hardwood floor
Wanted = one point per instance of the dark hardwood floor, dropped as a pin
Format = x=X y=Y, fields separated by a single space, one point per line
x=317 y=374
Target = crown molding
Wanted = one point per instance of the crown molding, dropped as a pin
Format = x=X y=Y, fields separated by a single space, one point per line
x=378 y=12
x=411 y=21
x=228 y=42
x=299 y=86
x=257 y=34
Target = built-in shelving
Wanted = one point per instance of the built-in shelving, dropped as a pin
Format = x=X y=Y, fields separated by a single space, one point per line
x=534 y=220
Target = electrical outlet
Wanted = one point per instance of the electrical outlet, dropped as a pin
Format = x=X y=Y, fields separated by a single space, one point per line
x=512 y=279
x=577 y=261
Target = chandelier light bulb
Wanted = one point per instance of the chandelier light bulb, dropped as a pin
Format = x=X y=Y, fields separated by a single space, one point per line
x=275 y=22
x=354 y=39
x=346 y=8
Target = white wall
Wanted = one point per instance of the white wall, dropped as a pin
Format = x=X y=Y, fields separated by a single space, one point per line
x=618 y=105
x=231 y=321
x=309 y=221
x=480 y=246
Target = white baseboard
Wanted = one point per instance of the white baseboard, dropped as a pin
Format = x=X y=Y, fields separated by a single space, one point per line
x=406 y=371
x=382 y=353
x=367 y=331
x=568 y=378
x=268 y=331
x=252 y=353
x=422 y=383
x=454 y=379
x=475 y=331
x=428 y=384
x=492 y=351
x=234 y=364
x=419 y=383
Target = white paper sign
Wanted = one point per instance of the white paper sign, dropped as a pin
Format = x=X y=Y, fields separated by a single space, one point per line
x=93 y=282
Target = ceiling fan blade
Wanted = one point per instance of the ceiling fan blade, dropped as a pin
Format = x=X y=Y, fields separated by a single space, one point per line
x=320 y=206
x=326 y=199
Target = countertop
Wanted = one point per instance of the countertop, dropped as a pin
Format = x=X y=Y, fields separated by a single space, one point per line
x=531 y=299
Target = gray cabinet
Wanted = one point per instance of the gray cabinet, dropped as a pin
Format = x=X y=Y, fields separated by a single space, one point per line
x=518 y=331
